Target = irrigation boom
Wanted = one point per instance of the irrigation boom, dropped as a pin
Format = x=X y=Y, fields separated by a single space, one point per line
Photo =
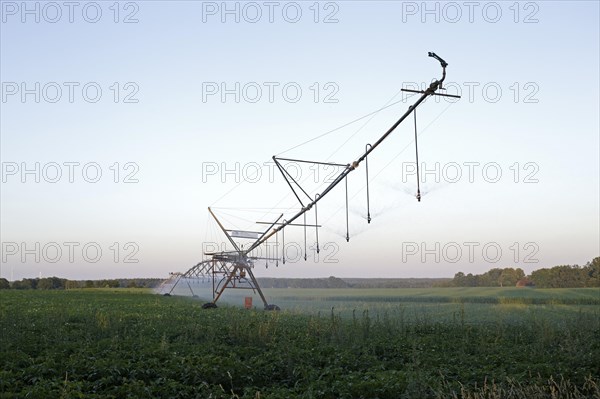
x=435 y=85
x=235 y=267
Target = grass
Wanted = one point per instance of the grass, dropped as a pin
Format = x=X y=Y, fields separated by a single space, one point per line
x=119 y=344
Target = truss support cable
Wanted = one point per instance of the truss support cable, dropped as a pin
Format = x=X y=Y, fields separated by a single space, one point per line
x=316 y=222
x=345 y=125
x=224 y=231
x=311 y=162
x=417 y=159
x=347 y=227
x=287 y=181
x=288 y=224
x=284 y=172
x=367 y=170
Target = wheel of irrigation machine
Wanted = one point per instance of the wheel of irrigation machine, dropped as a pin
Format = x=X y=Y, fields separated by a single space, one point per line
x=272 y=307
x=209 y=305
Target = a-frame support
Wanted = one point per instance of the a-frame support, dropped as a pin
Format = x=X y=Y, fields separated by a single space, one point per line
x=237 y=265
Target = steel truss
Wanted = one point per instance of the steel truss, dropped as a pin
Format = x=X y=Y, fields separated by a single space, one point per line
x=222 y=272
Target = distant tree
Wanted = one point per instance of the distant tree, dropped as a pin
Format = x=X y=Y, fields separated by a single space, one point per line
x=592 y=271
x=471 y=280
x=89 y=284
x=334 y=282
x=44 y=284
x=4 y=284
x=520 y=273
x=459 y=280
x=563 y=276
x=510 y=276
x=107 y=283
x=492 y=278
x=51 y=283
x=70 y=284
x=495 y=277
x=24 y=284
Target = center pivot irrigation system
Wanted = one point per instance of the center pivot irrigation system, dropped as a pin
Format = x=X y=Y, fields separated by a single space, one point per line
x=233 y=269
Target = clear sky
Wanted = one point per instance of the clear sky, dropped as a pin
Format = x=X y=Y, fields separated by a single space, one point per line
x=134 y=117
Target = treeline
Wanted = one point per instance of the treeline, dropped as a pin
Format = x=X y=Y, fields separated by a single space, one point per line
x=496 y=277
x=56 y=283
x=564 y=276
x=396 y=282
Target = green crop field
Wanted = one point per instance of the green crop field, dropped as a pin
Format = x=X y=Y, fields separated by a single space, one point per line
x=372 y=343
x=479 y=305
